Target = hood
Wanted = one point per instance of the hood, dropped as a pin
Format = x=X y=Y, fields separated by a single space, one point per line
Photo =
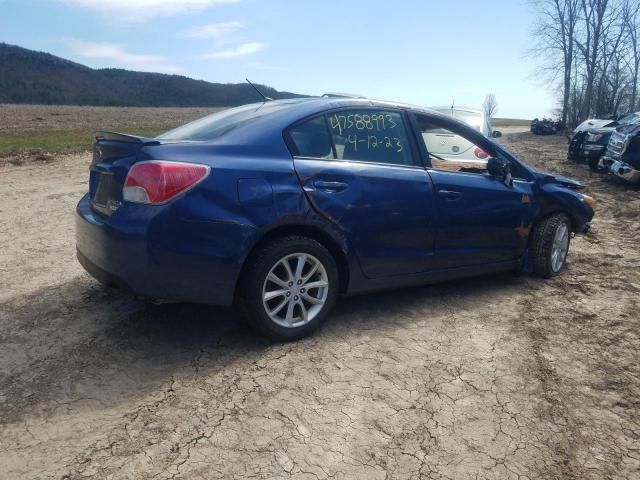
x=603 y=130
x=566 y=182
x=594 y=123
x=629 y=129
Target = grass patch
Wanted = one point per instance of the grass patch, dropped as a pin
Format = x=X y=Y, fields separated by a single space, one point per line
x=54 y=141
x=510 y=122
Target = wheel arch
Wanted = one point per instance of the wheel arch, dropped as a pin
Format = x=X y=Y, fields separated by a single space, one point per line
x=309 y=231
x=550 y=213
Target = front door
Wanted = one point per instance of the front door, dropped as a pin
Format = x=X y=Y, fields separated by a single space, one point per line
x=481 y=219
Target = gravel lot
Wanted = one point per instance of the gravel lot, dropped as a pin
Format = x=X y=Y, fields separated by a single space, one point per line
x=499 y=377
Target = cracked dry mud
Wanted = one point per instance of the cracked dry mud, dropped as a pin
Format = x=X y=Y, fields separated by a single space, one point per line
x=497 y=377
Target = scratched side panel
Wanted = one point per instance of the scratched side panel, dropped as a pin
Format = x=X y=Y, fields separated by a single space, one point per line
x=487 y=222
x=385 y=211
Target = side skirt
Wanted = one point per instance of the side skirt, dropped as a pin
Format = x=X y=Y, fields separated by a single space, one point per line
x=430 y=277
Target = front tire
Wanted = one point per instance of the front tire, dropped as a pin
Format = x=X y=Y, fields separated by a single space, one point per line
x=550 y=245
x=289 y=287
x=594 y=164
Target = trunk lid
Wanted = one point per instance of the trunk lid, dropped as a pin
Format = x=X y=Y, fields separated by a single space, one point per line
x=113 y=155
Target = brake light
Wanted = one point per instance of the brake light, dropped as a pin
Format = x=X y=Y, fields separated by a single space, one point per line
x=480 y=153
x=158 y=181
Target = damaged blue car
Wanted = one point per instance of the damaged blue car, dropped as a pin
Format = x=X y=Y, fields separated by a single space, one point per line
x=280 y=207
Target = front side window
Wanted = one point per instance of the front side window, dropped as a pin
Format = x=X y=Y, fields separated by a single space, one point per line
x=471 y=118
x=377 y=136
x=449 y=150
x=457 y=152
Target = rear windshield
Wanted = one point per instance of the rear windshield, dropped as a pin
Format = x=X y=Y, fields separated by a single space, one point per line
x=217 y=124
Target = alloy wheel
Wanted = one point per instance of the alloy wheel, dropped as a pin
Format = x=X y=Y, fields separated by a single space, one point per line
x=560 y=247
x=295 y=290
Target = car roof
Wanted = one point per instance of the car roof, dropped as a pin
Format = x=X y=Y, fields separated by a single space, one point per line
x=459 y=109
x=289 y=111
x=298 y=108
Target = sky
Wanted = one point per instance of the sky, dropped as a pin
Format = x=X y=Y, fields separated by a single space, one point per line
x=423 y=52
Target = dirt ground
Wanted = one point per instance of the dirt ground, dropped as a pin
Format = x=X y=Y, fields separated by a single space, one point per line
x=499 y=377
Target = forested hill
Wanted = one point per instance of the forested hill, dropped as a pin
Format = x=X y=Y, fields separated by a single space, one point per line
x=27 y=76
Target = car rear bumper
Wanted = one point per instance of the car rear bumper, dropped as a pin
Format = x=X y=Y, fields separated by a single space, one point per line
x=152 y=254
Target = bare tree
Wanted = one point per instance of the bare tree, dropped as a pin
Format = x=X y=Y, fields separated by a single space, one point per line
x=631 y=19
x=590 y=51
x=610 y=77
x=594 y=14
x=490 y=106
x=556 y=31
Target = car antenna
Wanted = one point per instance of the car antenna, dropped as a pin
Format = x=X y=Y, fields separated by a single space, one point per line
x=453 y=103
x=266 y=99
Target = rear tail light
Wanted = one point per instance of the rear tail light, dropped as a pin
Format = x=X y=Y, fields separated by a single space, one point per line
x=157 y=181
x=480 y=153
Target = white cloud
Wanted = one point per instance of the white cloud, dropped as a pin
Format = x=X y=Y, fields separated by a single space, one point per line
x=216 y=31
x=141 y=10
x=238 y=51
x=118 y=55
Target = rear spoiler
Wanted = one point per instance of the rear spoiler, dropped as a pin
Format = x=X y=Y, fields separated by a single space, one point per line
x=124 y=138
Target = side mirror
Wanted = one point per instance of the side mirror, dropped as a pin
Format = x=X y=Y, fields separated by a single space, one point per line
x=497 y=167
x=496 y=134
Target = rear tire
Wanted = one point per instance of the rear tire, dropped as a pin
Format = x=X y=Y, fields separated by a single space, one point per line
x=593 y=164
x=288 y=288
x=550 y=245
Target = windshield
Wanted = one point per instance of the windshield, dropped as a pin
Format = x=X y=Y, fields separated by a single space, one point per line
x=217 y=124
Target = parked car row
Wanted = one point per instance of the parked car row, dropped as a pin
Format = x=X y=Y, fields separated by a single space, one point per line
x=609 y=145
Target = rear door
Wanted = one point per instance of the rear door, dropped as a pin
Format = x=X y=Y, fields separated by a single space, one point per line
x=358 y=169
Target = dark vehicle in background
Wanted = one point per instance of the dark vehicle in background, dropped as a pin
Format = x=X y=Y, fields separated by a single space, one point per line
x=578 y=152
x=590 y=143
x=546 y=126
x=279 y=207
x=622 y=157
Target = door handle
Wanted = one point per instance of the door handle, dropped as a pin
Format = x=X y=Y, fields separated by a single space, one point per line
x=450 y=195
x=327 y=186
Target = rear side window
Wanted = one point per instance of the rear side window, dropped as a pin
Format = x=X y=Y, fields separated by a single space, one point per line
x=377 y=136
x=311 y=139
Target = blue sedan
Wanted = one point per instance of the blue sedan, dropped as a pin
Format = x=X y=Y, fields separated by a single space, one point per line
x=279 y=207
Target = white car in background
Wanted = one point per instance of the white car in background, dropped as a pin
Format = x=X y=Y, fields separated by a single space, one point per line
x=450 y=146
